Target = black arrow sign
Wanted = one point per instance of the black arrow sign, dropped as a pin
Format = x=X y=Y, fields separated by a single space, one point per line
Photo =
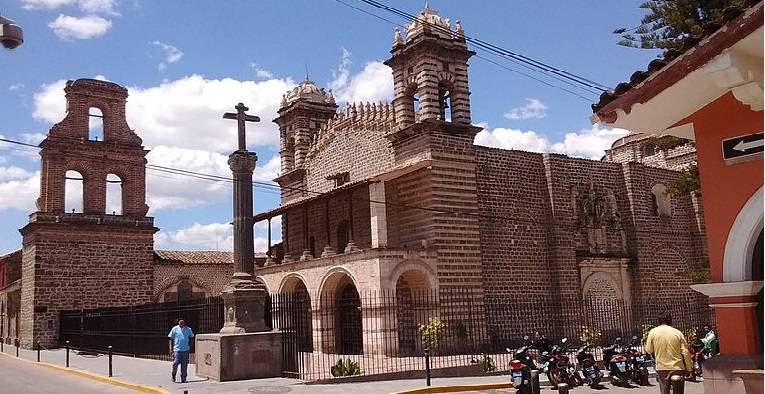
x=745 y=145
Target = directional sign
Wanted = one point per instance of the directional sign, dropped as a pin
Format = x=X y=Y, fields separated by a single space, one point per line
x=742 y=146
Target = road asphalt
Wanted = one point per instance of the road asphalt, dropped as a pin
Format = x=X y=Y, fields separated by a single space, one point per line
x=153 y=376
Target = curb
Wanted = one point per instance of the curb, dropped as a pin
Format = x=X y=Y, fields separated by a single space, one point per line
x=452 y=389
x=100 y=378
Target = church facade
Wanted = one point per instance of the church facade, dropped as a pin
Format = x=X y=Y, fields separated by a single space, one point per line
x=384 y=197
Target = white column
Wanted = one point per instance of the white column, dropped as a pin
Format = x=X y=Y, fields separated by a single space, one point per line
x=377 y=216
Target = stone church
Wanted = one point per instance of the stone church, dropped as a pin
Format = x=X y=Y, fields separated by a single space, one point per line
x=387 y=197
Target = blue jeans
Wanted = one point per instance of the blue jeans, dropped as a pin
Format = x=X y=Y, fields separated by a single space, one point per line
x=182 y=359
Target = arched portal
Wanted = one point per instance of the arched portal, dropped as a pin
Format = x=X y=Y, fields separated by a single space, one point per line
x=412 y=309
x=348 y=335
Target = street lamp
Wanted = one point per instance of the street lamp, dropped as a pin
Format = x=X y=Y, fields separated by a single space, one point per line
x=11 y=35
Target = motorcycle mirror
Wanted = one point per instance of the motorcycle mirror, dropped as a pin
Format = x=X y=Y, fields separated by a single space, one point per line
x=508 y=350
x=525 y=337
x=634 y=337
x=563 y=340
x=618 y=339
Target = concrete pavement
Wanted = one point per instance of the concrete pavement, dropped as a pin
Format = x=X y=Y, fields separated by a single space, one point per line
x=152 y=376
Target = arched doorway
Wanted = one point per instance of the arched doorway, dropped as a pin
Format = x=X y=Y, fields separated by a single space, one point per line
x=348 y=322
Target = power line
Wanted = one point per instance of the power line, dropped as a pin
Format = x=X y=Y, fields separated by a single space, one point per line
x=563 y=76
x=269 y=187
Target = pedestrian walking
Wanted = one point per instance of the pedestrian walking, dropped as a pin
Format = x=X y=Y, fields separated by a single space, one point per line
x=179 y=341
x=670 y=351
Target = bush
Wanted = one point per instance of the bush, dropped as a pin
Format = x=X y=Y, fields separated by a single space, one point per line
x=644 y=329
x=432 y=333
x=345 y=367
x=486 y=363
x=591 y=335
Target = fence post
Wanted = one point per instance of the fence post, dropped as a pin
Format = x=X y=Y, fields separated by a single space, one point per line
x=67 y=354
x=16 y=342
x=535 y=389
x=678 y=383
x=110 y=361
x=38 y=351
x=427 y=368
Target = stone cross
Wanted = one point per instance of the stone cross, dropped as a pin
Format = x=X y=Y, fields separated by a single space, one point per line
x=241 y=117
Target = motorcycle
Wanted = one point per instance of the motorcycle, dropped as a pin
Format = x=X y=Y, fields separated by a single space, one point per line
x=616 y=364
x=521 y=366
x=637 y=365
x=588 y=366
x=558 y=367
x=696 y=348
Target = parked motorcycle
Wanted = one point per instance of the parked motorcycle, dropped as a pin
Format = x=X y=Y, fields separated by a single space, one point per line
x=616 y=363
x=696 y=348
x=521 y=366
x=637 y=366
x=558 y=367
x=588 y=366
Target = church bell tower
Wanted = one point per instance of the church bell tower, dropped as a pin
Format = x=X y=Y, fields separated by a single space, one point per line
x=81 y=248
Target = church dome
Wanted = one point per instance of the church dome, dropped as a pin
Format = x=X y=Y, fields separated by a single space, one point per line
x=308 y=91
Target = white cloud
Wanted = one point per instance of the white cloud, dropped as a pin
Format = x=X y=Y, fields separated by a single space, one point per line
x=89 y=6
x=45 y=4
x=588 y=143
x=20 y=194
x=212 y=236
x=373 y=84
x=14 y=173
x=187 y=113
x=534 y=108
x=260 y=72
x=69 y=27
x=16 y=86
x=172 y=54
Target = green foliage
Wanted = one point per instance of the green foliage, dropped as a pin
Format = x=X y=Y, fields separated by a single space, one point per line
x=687 y=182
x=432 y=333
x=486 y=362
x=345 y=367
x=644 y=329
x=670 y=22
x=591 y=335
x=667 y=142
x=697 y=274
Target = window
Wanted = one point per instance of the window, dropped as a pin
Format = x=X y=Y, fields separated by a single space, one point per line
x=96 y=124
x=660 y=200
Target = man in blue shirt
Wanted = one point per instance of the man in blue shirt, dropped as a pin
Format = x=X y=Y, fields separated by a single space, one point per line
x=179 y=338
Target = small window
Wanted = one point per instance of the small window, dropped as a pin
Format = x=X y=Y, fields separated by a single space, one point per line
x=660 y=200
x=649 y=150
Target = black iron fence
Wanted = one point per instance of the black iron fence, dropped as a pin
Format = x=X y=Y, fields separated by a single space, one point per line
x=380 y=332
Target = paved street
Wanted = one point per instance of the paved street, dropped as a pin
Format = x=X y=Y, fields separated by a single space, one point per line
x=152 y=376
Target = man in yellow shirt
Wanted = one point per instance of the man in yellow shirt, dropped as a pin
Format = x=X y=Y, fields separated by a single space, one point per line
x=670 y=352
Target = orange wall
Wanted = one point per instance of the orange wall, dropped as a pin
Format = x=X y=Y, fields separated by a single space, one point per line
x=725 y=188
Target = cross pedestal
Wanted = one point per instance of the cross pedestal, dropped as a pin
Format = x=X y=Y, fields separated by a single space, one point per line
x=245 y=348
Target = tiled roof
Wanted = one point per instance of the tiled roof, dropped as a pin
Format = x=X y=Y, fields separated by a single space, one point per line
x=671 y=55
x=192 y=257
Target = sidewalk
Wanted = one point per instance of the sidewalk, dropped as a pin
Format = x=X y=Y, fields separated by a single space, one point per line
x=152 y=376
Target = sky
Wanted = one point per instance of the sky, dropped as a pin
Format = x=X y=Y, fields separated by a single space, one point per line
x=185 y=63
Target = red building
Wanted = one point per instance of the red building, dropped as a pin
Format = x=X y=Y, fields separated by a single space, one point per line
x=713 y=93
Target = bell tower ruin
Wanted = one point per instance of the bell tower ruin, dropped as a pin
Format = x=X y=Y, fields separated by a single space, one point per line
x=80 y=248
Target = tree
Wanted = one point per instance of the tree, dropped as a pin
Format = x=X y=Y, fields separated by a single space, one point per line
x=670 y=22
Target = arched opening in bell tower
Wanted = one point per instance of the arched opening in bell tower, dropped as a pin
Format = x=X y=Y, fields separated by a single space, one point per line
x=113 y=194
x=73 y=192
x=95 y=124
x=444 y=102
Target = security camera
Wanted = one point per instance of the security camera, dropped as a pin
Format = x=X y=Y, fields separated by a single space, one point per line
x=11 y=35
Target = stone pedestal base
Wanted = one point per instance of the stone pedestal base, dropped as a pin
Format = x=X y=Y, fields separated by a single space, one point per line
x=718 y=373
x=226 y=357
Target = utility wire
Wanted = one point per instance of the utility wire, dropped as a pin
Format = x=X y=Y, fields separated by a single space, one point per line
x=562 y=76
x=269 y=187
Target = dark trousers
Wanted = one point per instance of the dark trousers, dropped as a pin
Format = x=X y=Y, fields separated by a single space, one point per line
x=665 y=382
x=182 y=359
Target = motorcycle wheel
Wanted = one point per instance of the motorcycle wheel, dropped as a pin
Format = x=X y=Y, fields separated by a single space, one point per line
x=554 y=377
x=594 y=382
x=643 y=377
x=524 y=389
